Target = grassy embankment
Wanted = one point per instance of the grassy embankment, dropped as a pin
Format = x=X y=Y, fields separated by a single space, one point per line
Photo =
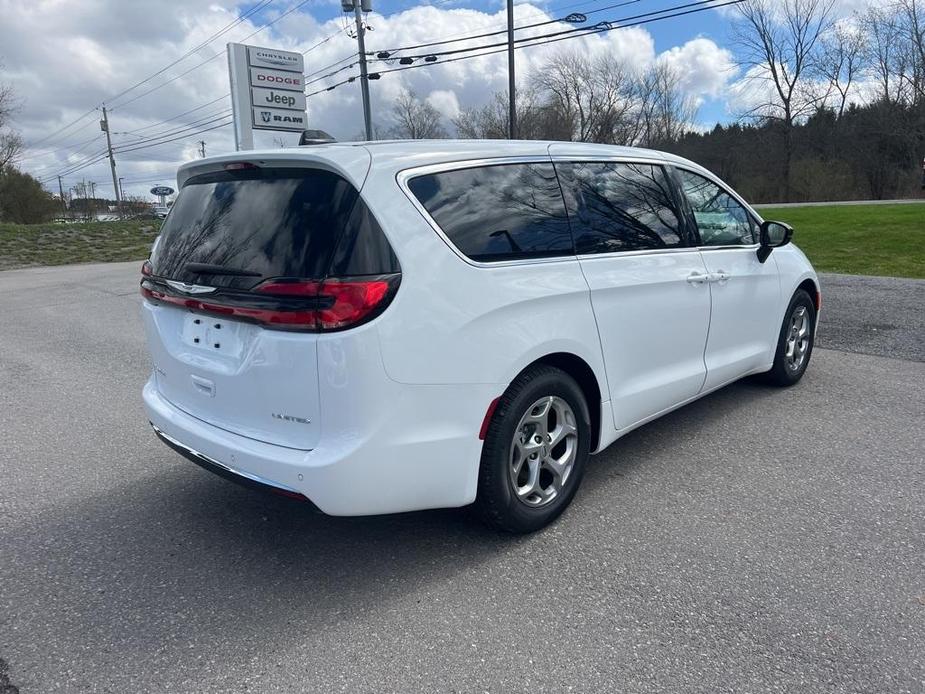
x=852 y=239
x=59 y=244
x=884 y=240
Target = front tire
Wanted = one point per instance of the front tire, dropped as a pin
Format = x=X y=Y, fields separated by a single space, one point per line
x=535 y=451
x=795 y=342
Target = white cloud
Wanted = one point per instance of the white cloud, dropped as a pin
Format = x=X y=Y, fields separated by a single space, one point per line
x=63 y=62
x=445 y=101
x=705 y=68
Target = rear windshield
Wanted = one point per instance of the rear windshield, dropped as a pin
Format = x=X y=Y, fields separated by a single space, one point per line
x=270 y=223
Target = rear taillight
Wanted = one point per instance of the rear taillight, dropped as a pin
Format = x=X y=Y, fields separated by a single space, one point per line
x=342 y=302
x=292 y=304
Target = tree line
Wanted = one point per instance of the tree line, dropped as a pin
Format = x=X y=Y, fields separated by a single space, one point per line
x=835 y=109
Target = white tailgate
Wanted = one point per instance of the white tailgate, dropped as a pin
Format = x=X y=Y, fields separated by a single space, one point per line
x=238 y=376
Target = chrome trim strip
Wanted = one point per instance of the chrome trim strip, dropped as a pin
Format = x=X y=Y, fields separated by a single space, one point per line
x=748 y=247
x=240 y=473
x=404 y=176
x=606 y=159
x=646 y=251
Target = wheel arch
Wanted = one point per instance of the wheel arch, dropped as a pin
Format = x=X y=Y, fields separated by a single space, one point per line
x=584 y=375
x=811 y=287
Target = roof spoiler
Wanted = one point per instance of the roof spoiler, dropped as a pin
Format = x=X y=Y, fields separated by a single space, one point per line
x=315 y=137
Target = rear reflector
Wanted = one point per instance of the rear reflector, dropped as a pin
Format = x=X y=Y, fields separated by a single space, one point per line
x=488 y=415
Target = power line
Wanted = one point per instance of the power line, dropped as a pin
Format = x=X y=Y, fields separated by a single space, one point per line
x=172 y=129
x=66 y=127
x=599 y=28
x=209 y=60
x=172 y=118
x=386 y=55
x=94 y=159
x=190 y=52
x=203 y=130
x=227 y=94
x=80 y=118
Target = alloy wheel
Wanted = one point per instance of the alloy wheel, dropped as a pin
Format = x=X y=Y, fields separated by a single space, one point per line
x=543 y=451
x=797 y=338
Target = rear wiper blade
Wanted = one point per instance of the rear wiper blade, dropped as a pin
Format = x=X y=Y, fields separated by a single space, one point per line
x=210 y=269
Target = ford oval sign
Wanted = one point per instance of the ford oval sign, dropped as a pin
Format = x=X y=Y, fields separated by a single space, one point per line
x=162 y=190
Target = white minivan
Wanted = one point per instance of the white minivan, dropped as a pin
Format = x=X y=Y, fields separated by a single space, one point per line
x=389 y=326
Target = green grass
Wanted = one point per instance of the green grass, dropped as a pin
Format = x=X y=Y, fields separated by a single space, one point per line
x=25 y=245
x=852 y=239
x=884 y=240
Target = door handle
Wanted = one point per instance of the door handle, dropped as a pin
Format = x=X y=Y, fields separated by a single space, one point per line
x=698 y=278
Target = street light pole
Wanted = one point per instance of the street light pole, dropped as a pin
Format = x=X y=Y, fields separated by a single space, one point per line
x=364 y=80
x=359 y=7
x=512 y=108
x=104 y=126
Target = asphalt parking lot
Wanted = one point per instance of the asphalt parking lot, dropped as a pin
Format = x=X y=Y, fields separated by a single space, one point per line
x=758 y=540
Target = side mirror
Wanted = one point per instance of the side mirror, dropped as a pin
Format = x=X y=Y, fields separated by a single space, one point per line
x=773 y=235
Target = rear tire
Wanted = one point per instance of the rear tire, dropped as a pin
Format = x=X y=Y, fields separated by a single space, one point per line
x=535 y=451
x=795 y=342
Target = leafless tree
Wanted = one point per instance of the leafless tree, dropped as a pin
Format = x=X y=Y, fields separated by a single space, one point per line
x=911 y=14
x=778 y=44
x=884 y=54
x=10 y=142
x=592 y=98
x=491 y=120
x=841 y=60
x=664 y=111
x=415 y=119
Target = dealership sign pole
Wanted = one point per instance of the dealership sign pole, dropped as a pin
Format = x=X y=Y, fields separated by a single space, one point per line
x=266 y=91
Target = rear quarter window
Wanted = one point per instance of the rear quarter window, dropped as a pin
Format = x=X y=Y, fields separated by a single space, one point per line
x=498 y=212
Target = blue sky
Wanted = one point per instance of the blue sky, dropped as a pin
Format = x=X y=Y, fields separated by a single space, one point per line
x=713 y=25
x=177 y=58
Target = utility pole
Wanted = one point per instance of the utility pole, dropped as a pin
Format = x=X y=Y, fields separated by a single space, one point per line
x=359 y=7
x=104 y=126
x=202 y=149
x=61 y=191
x=91 y=203
x=512 y=108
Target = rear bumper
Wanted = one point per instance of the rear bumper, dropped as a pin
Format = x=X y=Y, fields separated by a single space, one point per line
x=237 y=476
x=422 y=452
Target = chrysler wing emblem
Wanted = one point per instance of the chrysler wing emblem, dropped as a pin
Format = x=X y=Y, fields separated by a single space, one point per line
x=190 y=288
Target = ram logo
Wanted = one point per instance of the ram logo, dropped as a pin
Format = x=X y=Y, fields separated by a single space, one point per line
x=265 y=116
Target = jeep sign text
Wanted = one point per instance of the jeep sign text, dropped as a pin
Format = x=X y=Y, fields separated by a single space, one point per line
x=275 y=98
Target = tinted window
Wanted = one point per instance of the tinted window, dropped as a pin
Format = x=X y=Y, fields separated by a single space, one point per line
x=271 y=222
x=721 y=219
x=619 y=206
x=498 y=212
